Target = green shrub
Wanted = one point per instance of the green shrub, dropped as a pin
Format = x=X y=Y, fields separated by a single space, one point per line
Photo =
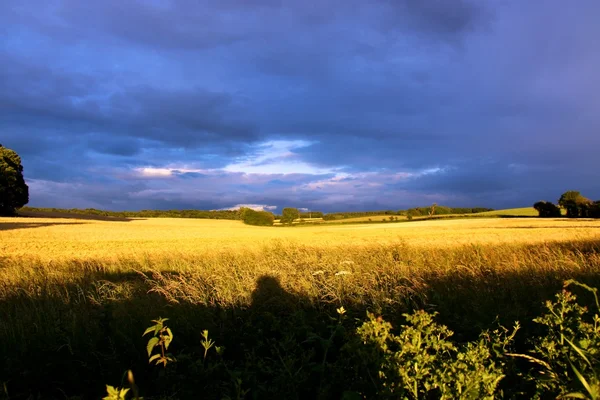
x=421 y=361
x=566 y=358
x=262 y=218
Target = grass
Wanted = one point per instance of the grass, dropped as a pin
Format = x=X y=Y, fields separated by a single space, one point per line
x=511 y=212
x=75 y=295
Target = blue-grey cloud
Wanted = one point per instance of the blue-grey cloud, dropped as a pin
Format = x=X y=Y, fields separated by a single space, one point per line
x=331 y=105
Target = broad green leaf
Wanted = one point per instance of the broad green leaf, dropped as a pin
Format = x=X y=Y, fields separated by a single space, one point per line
x=147 y=331
x=151 y=344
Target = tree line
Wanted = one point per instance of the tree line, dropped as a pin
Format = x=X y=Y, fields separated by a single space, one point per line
x=202 y=214
x=416 y=211
x=574 y=204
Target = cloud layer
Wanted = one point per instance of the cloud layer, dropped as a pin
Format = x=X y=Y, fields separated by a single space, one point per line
x=327 y=105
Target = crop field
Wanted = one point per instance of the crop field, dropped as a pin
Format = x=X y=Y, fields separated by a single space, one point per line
x=77 y=294
x=64 y=239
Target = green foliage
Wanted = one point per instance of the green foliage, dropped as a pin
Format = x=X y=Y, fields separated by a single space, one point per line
x=288 y=215
x=567 y=357
x=417 y=211
x=547 y=209
x=14 y=192
x=241 y=212
x=261 y=218
x=115 y=393
x=200 y=214
x=160 y=340
x=421 y=361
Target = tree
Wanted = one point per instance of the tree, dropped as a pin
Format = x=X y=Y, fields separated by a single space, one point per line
x=432 y=210
x=241 y=212
x=14 y=192
x=288 y=215
x=595 y=210
x=261 y=218
x=575 y=204
x=547 y=209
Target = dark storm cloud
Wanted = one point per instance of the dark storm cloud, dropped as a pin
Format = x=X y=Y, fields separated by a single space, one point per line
x=40 y=97
x=127 y=104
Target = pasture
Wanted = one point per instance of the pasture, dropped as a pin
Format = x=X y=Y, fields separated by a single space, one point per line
x=512 y=212
x=76 y=295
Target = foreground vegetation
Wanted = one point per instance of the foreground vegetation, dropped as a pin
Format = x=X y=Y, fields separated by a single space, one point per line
x=75 y=297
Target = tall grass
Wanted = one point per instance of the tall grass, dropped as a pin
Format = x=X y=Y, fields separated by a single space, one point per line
x=70 y=326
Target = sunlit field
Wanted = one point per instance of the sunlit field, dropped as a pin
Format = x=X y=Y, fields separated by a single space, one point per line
x=59 y=239
x=517 y=212
x=76 y=295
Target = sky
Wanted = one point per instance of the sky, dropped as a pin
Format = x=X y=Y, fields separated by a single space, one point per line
x=324 y=105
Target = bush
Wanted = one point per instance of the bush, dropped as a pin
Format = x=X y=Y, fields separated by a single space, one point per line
x=261 y=218
x=421 y=361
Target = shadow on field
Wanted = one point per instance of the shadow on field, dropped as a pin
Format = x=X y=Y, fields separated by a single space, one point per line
x=7 y=226
x=72 y=338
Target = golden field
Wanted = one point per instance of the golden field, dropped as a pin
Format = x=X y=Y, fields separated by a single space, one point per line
x=58 y=239
x=76 y=294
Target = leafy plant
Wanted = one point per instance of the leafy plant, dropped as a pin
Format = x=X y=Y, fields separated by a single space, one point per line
x=161 y=339
x=421 y=361
x=116 y=393
x=566 y=357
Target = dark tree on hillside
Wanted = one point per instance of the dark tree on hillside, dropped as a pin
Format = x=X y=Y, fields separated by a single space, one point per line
x=14 y=192
x=595 y=210
x=547 y=209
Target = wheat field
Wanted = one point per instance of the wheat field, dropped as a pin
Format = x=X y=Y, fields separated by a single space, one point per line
x=59 y=239
x=75 y=294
